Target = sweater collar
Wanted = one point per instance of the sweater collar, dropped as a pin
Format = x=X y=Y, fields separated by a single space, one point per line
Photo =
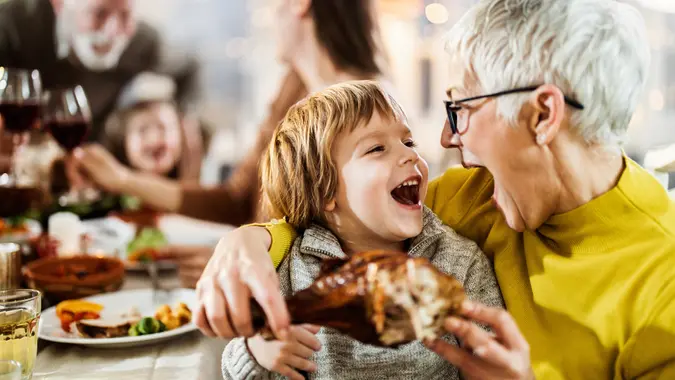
x=320 y=242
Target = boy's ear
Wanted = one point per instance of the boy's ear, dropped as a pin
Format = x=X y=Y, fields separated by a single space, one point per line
x=330 y=206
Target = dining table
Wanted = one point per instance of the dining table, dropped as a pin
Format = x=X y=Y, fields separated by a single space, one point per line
x=190 y=356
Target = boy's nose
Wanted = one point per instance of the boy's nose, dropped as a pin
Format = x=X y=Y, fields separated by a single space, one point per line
x=409 y=156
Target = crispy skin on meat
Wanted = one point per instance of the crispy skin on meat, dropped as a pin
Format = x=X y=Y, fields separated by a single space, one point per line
x=378 y=297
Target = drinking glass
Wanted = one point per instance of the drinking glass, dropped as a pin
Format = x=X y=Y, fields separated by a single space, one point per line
x=20 y=92
x=67 y=117
x=10 y=266
x=19 y=321
x=10 y=370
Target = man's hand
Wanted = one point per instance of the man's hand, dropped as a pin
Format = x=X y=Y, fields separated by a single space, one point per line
x=239 y=269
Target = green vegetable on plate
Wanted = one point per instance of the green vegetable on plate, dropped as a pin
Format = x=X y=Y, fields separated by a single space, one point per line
x=148 y=238
x=147 y=326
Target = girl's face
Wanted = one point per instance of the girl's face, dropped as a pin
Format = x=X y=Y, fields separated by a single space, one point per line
x=153 y=139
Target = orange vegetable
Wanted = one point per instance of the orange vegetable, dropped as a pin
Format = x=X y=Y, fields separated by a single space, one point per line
x=76 y=310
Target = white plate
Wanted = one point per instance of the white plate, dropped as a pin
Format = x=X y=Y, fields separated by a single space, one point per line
x=115 y=304
x=110 y=236
x=34 y=230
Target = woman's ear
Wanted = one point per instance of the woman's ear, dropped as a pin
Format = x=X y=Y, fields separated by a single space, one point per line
x=548 y=103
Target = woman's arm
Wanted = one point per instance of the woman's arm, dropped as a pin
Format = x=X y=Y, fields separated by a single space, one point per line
x=235 y=202
x=649 y=353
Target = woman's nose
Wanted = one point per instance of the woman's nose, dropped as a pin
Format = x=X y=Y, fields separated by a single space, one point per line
x=449 y=139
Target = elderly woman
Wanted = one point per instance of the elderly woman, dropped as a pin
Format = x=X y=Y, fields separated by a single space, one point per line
x=582 y=238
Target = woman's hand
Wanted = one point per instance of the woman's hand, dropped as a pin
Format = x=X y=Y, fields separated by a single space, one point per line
x=101 y=167
x=505 y=354
x=239 y=269
x=191 y=261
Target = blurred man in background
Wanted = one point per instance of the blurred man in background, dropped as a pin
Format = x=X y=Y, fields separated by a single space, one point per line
x=98 y=44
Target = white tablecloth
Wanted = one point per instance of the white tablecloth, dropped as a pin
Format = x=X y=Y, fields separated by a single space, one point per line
x=190 y=357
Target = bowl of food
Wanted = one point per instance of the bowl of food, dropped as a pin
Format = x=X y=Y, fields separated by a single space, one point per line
x=64 y=278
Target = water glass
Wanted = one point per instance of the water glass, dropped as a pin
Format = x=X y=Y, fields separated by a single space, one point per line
x=10 y=370
x=19 y=323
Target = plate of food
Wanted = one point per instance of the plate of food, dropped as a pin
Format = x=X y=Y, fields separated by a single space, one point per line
x=135 y=245
x=19 y=230
x=121 y=319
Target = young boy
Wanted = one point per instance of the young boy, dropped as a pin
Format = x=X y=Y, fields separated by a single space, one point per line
x=342 y=167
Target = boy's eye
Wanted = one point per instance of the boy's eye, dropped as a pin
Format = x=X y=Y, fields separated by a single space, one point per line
x=377 y=148
x=410 y=143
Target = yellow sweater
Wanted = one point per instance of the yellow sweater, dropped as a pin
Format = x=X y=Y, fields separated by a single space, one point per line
x=592 y=290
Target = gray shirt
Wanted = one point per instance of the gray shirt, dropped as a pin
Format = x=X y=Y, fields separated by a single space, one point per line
x=342 y=357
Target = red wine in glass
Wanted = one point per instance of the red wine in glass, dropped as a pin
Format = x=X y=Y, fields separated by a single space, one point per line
x=20 y=117
x=68 y=133
x=66 y=115
x=17 y=200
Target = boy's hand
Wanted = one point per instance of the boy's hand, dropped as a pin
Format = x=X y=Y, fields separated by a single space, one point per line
x=285 y=357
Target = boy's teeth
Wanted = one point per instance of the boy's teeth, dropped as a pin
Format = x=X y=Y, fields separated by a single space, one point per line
x=409 y=183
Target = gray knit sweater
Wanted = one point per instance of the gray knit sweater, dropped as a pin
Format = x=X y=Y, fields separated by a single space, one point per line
x=342 y=357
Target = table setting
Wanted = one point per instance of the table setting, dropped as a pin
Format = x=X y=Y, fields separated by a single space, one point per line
x=127 y=296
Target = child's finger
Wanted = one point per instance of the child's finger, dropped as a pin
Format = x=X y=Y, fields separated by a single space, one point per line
x=289 y=372
x=306 y=337
x=301 y=350
x=301 y=363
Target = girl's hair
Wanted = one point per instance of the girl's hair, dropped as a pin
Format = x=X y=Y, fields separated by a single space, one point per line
x=297 y=170
x=115 y=131
x=348 y=30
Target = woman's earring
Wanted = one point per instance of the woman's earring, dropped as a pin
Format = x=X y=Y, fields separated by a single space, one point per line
x=541 y=138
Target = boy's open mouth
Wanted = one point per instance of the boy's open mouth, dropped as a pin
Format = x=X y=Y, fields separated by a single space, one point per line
x=408 y=192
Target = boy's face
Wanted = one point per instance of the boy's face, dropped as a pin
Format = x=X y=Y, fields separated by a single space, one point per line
x=382 y=182
x=153 y=139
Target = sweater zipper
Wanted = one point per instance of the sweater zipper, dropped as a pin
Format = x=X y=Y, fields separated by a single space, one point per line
x=322 y=252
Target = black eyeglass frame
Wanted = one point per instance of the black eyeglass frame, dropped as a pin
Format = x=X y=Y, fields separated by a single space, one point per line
x=452 y=106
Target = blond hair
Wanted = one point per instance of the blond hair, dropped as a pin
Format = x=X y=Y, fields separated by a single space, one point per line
x=298 y=172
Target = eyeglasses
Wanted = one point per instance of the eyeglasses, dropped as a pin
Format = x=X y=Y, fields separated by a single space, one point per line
x=454 y=106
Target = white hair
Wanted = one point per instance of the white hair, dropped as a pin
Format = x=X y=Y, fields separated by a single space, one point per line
x=595 y=51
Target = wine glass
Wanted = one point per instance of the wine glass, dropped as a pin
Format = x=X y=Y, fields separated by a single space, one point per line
x=20 y=92
x=67 y=117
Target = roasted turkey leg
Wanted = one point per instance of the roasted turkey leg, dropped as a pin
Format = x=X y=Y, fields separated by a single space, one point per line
x=380 y=298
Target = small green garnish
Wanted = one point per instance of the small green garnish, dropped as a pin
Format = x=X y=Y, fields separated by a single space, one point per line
x=147 y=326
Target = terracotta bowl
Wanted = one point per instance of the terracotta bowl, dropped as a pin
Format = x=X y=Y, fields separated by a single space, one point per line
x=62 y=278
